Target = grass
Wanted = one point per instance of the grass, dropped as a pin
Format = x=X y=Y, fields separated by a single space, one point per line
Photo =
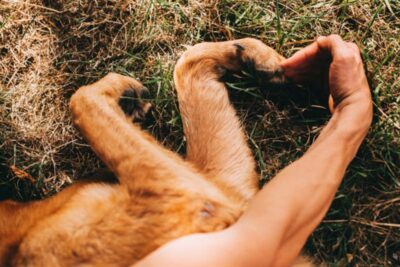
x=50 y=48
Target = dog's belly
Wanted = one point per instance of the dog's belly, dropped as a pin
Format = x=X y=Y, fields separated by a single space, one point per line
x=102 y=225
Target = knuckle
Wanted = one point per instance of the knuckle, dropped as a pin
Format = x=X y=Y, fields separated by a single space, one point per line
x=348 y=56
x=334 y=37
x=354 y=47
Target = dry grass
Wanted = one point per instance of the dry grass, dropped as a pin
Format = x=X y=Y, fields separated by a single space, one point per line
x=50 y=48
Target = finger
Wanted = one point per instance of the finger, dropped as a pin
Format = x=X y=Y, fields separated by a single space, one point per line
x=332 y=43
x=335 y=45
x=301 y=57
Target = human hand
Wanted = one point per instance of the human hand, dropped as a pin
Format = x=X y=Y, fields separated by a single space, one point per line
x=333 y=63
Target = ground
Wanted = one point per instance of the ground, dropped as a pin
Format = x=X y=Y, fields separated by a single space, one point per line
x=50 y=48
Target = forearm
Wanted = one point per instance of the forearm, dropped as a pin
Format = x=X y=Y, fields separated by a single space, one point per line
x=285 y=212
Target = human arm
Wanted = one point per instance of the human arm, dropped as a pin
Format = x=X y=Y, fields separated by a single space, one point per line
x=290 y=207
x=281 y=217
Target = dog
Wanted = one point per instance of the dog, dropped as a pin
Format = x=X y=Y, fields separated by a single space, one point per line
x=158 y=196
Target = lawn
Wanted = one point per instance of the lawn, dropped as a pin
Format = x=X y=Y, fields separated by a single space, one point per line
x=49 y=48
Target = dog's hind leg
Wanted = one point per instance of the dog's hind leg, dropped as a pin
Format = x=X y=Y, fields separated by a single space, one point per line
x=216 y=143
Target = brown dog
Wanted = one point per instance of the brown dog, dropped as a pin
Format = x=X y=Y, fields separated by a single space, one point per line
x=158 y=196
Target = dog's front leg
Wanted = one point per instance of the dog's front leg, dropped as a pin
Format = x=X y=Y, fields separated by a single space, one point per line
x=125 y=149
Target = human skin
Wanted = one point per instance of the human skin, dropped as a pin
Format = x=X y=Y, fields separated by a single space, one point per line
x=283 y=214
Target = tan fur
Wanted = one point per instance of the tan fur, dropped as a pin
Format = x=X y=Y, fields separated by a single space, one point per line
x=159 y=196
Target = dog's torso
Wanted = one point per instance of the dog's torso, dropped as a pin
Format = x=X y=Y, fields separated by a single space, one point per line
x=105 y=225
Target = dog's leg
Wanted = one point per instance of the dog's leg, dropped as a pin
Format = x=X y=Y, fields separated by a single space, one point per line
x=125 y=149
x=216 y=143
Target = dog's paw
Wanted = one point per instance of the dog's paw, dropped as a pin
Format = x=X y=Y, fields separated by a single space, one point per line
x=133 y=104
x=268 y=76
x=261 y=60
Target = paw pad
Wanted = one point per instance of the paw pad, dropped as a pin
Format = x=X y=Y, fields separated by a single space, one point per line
x=274 y=76
x=131 y=102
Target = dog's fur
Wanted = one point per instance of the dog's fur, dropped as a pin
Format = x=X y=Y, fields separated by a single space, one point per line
x=158 y=196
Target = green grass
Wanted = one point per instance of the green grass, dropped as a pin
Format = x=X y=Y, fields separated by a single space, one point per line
x=144 y=39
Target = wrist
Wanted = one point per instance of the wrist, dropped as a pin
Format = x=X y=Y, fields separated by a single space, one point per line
x=355 y=110
x=344 y=133
x=351 y=122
